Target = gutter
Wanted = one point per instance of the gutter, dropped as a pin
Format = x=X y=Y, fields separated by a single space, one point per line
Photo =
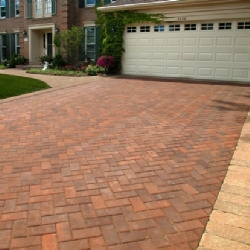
x=160 y=4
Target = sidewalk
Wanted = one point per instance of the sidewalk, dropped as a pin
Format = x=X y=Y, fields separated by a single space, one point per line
x=229 y=222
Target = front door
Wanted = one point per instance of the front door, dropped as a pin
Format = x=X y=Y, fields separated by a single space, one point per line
x=48 y=44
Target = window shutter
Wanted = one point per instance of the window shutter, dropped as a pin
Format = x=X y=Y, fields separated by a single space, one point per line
x=7 y=8
x=29 y=9
x=8 y=47
x=97 y=42
x=81 y=3
x=107 y=2
x=12 y=47
x=12 y=8
x=97 y=2
x=82 y=50
x=53 y=7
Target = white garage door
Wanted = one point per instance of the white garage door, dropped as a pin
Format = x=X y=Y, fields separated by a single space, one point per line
x=207 y=50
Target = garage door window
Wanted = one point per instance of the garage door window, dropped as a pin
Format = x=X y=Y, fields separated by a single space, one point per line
x=174 y=27
x=207 y=26
x=131 y=29
x=244 y=26
x=160 y=28
x=225 y=26
x=190 y=26
x=145 y=29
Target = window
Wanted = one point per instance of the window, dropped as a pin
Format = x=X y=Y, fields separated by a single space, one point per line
x=3 y=49
x=90 y=42
x=2 y=8
x=225 y=26
x=145 y=29
x=190 y=26
x=159 y=28
x=16 y=7
x=48 y=6
x=243 y=25
x=39 y=7
x=174 y=27
x=207 y=26
x=17 y=44
x=131 y=29
x=90 y=3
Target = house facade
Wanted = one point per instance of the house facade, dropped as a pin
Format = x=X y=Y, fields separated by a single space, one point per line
x=28 y=27
x=199 y=39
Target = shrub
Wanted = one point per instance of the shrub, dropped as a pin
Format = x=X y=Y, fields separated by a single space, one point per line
x=2 y=66
x=45 y=58
x=58 y=62
x=106 y=62
x=12 y=63
x=21 y=60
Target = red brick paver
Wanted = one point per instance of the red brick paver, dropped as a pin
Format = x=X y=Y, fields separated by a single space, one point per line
x=116 y=164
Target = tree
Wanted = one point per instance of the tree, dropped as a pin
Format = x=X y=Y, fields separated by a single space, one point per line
x=70 y=42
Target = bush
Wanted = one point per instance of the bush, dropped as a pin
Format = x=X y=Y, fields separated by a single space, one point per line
x=93 y=70
x=2 y=66
x=21 y=60
x=106 y=62
x=12 y=63
x=45 y=58
x=56 y=72
x=58 y=62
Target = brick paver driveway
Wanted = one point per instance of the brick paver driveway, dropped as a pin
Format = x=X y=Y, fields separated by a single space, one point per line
x=115 y=164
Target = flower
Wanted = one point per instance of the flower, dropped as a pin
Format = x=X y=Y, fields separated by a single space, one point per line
x=106 y=61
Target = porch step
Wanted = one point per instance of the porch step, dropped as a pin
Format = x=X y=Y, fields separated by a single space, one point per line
x=26 y=67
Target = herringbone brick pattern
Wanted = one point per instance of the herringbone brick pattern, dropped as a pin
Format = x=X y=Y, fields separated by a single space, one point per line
x=115 y=164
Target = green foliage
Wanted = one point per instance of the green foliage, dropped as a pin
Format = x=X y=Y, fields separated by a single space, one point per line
x=12 y=63
x=70 y=41
x=45 y=58
x=112 y=26
x=2 y=66
x=93 y=70
x=58 y=62
x=16 y=85
x=56 y=72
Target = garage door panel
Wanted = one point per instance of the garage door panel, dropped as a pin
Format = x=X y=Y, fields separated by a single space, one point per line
x=207 y=72
x=241 y=57
x=143 y=55
x=242 y=41
x=158 y=56
x=159 y=42
x=206 y=42
x=224 y=41
x=144 y=69
x=205 y=57
x=222 y=72
x=205 y=54
x=188 y=71
x=144 y=42
x=241 y=73
x=174 y=42
x=223 y=57
x=189 y=42
x=158 y=69
x=173 y=71
x=188 y=56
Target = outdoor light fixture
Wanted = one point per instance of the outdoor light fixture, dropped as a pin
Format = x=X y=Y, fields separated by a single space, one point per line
x=24 y=33
x=57 y=30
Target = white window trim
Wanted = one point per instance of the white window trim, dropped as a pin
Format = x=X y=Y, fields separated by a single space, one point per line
x=15 y=2
x=17 y=45
x=3 y=17
x=89 y=5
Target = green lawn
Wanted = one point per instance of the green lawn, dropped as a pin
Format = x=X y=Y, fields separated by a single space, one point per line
x=17 y=85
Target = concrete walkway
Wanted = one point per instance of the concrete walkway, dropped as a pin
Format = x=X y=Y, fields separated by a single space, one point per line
x=102 y=163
